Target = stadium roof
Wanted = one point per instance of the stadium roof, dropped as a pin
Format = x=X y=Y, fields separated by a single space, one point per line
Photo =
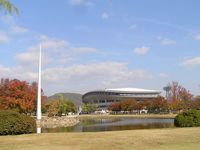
x=134 y=90
x=126 y=90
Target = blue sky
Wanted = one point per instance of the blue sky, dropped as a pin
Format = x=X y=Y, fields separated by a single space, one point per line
x=97 y=44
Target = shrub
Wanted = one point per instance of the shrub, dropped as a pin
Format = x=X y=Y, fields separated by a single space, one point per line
x=12 y=123
x=190 y=118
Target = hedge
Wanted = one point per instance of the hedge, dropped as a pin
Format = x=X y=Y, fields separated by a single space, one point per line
x=190 y=118
x=13 y=123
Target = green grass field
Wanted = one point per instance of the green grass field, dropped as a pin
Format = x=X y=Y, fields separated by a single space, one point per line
x=148 y=139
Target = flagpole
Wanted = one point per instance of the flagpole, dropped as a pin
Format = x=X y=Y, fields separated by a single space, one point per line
x=39 y=114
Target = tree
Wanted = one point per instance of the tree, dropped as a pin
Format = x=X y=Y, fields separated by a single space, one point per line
x=158 y=105
x=18 y=95
x=178 y=92
x=65 y=106
x=89 y=108
x=7 y=6
x=71 y=107
x=116 y=106
x=60 y=106
x=43 y=102
x=128 y=105
x=180 y=98
x=140 y=105
x=196 y=103
x=52 y=108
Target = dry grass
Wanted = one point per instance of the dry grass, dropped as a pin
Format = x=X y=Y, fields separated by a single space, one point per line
x=152 y=139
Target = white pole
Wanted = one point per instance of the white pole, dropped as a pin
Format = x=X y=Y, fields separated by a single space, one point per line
x=39 y=116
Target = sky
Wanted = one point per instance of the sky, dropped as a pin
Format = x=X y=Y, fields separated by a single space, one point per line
x=98 y=44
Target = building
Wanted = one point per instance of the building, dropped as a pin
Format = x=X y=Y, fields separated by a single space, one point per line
x=103 y=98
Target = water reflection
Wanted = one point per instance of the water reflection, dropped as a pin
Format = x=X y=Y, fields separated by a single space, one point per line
x=114 y=124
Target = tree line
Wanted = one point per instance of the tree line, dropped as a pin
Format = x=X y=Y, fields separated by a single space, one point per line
x=21 y=96
x=157 y=105
x=177 y=100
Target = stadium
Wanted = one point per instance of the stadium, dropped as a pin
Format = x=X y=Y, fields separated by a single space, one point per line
x=104 y=98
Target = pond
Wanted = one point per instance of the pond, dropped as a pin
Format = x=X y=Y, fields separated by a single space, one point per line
x=114 y=124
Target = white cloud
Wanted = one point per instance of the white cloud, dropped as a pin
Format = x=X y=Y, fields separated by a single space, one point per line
x=105 y=15
x=17 y=72
x=83 y=49
x=55 y=44
x=166 y=41
x=49 y=43
x=76 y=2
x=197 y=37
x=82 y=77
x=80 y=3
x=106 y=71
x=141 y=50
x=4 y=69
x=95 y=75
x=49 y=47
x=4 y=37
x=163 y=75
x=43 y=37
x=54 y=52
x=10 y=22
x=30 y=57
x=63 y=60
x=191 y=62
x=18 y=29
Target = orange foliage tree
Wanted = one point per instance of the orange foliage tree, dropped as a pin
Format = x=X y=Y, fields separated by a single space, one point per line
x=116 y=106
x=196 y=103
x=18 y=95
x=178 y=92
x=180 y=97
x=158 y=105
x=128 y=105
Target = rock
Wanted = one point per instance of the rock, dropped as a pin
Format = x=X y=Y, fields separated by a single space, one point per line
x=54 y=122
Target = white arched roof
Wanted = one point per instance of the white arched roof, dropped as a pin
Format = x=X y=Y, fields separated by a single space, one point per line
x=134 y=90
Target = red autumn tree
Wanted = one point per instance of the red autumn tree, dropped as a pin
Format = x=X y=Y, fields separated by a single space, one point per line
x=140 y=105
x=18 y=95
x=128 y=105
x=115 y=106
x=158 y=105
x=178 y=92
x=196 y=103
x=180 y=97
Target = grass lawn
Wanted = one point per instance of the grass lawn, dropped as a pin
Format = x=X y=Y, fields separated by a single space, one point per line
x=148 y=139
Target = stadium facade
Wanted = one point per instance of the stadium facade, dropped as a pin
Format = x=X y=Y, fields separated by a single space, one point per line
x=104 y=98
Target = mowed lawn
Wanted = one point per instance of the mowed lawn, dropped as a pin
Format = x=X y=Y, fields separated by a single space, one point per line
x=148 y=139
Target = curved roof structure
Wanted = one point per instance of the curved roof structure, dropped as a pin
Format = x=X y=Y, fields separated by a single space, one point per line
x=103 y=98
x=126 y=90
x=132 y=90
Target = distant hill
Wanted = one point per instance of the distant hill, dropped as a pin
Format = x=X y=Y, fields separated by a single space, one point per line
x=74 y=97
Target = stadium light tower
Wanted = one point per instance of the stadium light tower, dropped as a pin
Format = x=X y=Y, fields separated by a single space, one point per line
x=39 y=114
x=167 y=90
